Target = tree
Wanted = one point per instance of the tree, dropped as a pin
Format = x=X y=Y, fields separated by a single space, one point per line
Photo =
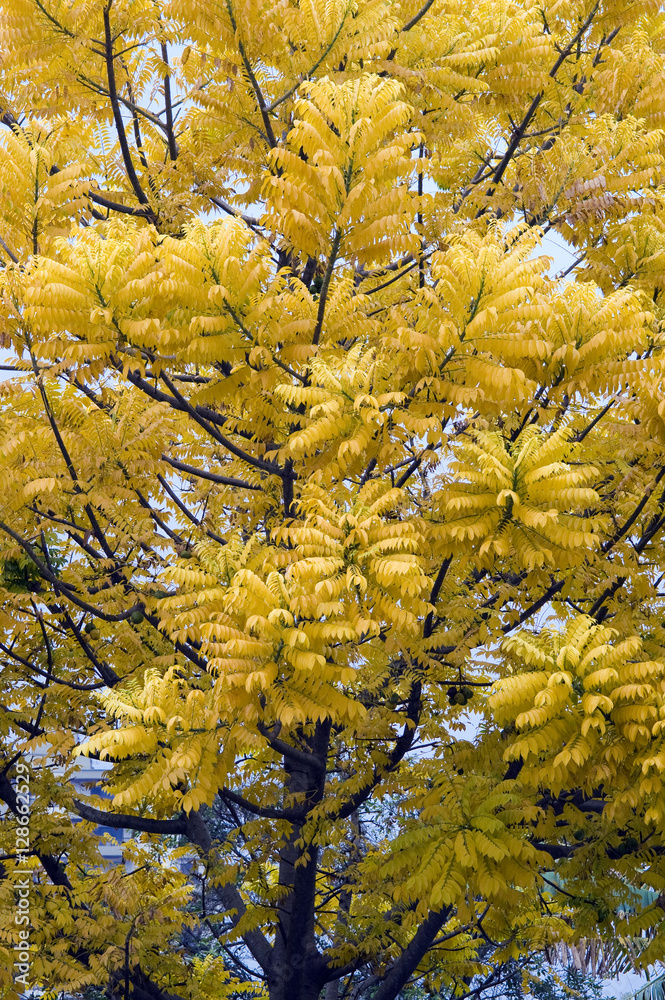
x=330 y=516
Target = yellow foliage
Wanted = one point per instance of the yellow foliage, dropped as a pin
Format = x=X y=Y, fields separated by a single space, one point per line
x=333 y=509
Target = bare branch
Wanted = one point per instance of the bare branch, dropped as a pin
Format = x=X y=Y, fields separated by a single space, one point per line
x=168 y=106
x=12 y=256
x=191 y=470
x=417 y=17
x=249 y=220
x=114 y=206
x=117 y=116
x=126 y=821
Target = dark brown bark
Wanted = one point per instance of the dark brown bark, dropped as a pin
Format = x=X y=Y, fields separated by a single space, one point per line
x=297 y=970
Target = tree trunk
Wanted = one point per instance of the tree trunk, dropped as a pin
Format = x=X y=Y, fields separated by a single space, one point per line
x=292 y=990
x=295 y=968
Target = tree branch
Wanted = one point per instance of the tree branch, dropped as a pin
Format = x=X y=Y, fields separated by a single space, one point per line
x=308 y=760
x=265 y=117
x=403 y=744
x=434 y=595
x=325 y=286
x=191 y=470
x=308 y=75
x=187 y=512
x=168 y=106
x=518 y=133
x=53 y=868
x=66 y=589
x=583 y=433
x=12 y=256
x=258 y=945
x=630 y=521
x=114 y=206
x=126 y=821
x=417 y=17
x=249 y=220
x=117 y=116
x=291 y=815
x=407 y=963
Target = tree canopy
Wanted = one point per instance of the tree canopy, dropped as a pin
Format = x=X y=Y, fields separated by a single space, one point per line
x=332 y=517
